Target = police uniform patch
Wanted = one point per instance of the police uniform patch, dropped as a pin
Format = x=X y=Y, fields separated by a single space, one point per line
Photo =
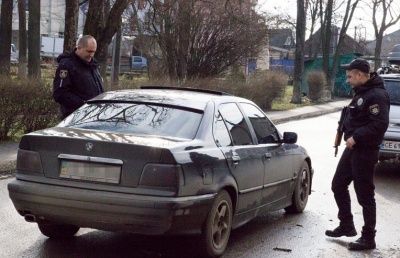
x=360 y=101
x=374 y=109
x=63 y=74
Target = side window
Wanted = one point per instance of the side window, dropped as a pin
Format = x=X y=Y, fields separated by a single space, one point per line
x=236 y=124
x=264 y=129
x=222 y=137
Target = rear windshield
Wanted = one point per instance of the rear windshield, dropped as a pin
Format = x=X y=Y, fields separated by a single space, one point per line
x=393 y=88
x=135 y=119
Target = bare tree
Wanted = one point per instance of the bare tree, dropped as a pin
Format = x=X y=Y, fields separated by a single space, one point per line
x=5 y=39
x=390 y=11
x=312 y=8
x=201 y=39
x=34 y=39
x=299 y=53
x=349 y=12
x=71 y=24
x=22 y=39
x=102 y=23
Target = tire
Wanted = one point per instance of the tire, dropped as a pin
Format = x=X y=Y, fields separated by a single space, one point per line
x=301 y=190
x=217 y=227
x=58 y=231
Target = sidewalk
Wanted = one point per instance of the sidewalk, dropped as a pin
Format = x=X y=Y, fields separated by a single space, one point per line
x=8 y=151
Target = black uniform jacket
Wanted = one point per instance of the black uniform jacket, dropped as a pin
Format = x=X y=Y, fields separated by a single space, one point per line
x=75 y=82
x=368 y=113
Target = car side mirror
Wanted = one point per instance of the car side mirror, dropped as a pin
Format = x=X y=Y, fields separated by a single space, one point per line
x=289 y=137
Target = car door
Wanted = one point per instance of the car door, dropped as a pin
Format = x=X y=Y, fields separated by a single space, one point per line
x=245 y=159
x=278 y=157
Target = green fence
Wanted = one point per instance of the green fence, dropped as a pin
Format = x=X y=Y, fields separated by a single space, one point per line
x=341 y=88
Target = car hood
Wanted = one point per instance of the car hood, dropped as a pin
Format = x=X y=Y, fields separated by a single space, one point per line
x=393 y=132
x=394 y=115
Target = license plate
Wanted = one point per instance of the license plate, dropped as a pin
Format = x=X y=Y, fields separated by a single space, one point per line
x=87 y=171
x=389 y=145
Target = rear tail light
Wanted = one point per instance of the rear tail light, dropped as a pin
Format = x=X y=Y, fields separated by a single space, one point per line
x=162 y=175
x=29 y=161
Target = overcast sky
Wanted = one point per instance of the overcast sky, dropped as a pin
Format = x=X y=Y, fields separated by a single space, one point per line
x=359 y=19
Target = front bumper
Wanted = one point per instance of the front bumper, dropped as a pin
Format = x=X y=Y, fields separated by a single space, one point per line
x=111 y=211
x=390 y=155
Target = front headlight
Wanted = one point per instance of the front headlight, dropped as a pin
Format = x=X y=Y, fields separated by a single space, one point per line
x=29 y=161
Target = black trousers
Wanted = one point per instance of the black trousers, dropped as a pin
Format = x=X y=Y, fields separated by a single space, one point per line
x=357 y=165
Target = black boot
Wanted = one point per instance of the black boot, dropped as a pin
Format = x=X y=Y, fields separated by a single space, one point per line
x=366 y=241
x=362 y=244
x=342 y=231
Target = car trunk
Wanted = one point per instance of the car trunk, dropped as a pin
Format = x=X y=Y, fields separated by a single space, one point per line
x=96 y=157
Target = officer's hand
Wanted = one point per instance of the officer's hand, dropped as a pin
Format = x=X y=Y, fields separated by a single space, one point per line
x=350 y=143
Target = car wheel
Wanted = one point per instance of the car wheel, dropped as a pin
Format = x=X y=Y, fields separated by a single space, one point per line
x=58 y=230
x=217 y=227
x=301 y=190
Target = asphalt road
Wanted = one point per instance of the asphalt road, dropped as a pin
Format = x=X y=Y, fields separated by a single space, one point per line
x=276 y=234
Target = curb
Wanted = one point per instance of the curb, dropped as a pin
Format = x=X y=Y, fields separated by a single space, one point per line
x=8 y=169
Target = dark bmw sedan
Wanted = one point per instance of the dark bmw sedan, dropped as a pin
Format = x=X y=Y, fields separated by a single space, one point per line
x=160 y=161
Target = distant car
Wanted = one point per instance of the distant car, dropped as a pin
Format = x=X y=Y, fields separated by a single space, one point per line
x=390 y=147
x=13 y=54
x=139 y=63
x=394 y=55
x=159 y=161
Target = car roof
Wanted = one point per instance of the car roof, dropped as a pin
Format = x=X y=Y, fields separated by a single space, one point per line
x=174 y=96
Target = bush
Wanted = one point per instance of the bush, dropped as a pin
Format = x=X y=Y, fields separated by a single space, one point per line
x=265 y=87
x=262 y=87
x=316 y=81
x=39 y=110
x=10 y=105
x=25 y=106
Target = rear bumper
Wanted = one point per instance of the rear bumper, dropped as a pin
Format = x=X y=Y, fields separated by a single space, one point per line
x=109 y=210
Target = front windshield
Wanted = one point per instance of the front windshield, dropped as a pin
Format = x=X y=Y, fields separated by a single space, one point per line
x=135 y=119
x=393 y=88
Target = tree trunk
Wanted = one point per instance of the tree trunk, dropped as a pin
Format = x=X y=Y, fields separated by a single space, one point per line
x=22 y=59
x=327 y=39
x=5 y=39
x=299 y=53
x=71 y=24
x=116 y=59
x=348 y=16
x=378 y=49
x=34 y=39
x=184 y=13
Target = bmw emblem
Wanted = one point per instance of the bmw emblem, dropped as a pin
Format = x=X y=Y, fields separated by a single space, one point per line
x=89 y=146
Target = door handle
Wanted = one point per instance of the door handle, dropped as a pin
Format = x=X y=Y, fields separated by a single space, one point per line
x=236 y=159
x=268 y=156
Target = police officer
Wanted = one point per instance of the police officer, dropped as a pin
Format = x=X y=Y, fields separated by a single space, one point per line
x=364 y=127
x=77 y=77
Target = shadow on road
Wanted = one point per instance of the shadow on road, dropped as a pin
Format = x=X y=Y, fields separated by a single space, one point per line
x=387 y=181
